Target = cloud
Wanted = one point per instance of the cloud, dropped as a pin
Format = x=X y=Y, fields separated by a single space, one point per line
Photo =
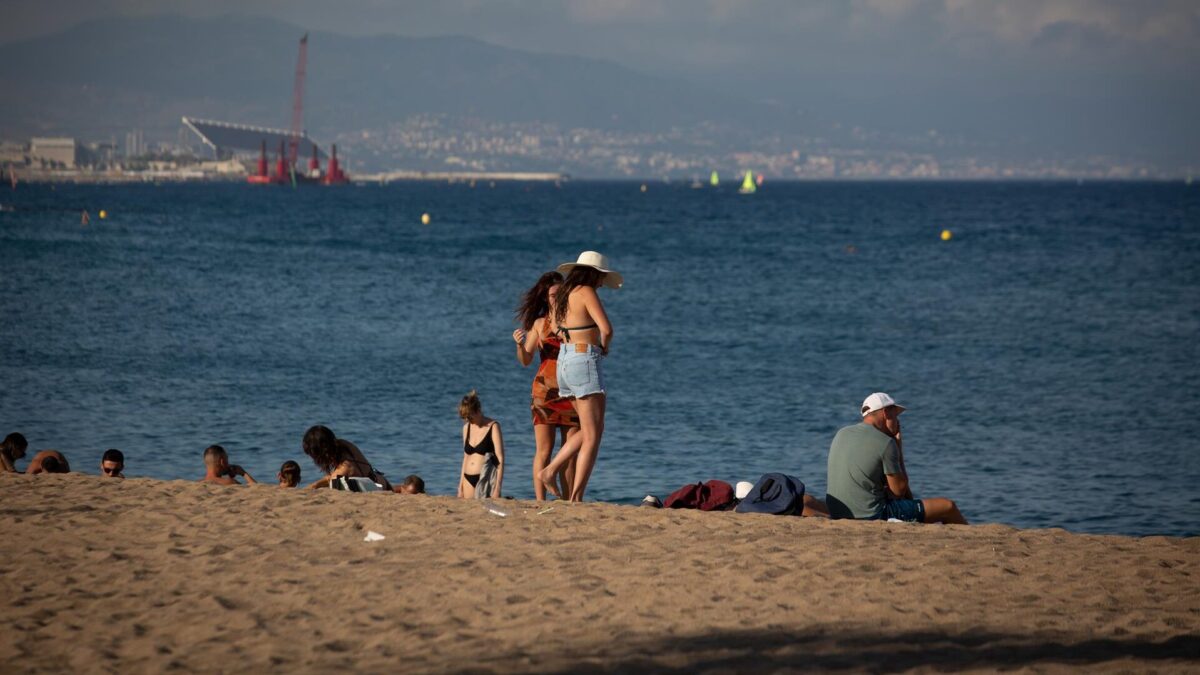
x=1175 y=22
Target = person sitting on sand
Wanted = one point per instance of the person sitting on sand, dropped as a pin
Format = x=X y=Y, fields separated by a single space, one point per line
x=112 y=464
x=48 y=461
x=218 y=469
x=867 y=479
x=12 y=448
x=338 y=457
x=412 y=485
x=483 y=451
x=289 y=474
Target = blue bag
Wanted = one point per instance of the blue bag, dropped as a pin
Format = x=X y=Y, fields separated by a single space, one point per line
x=775 y=493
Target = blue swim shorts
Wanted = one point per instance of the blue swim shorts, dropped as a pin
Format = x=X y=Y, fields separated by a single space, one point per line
x=579 y=372
x=908 y=510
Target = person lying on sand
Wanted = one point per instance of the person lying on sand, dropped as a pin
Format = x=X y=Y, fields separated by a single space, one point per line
x=338 y=457
x=412 y=485
x=217 y=468
x=289 y=474
x=12 y=448
x=112 y=464
x=48 y=461
x=867 y=479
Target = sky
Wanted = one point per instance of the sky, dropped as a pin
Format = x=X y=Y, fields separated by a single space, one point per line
x=1101 y=76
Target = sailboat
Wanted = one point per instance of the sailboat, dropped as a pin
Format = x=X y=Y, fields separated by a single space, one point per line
x=748 y=187
x=714 y=180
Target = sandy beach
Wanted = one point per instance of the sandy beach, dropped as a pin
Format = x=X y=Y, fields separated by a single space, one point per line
x=148 y=576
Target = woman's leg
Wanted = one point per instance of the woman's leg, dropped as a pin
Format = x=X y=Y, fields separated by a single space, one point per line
x=591 y=429
x=567 y=475
x=549 y=474
x=468 y=491
x=543 y=438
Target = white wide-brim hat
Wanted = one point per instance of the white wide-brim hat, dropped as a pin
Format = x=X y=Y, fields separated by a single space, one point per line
x=597 y=261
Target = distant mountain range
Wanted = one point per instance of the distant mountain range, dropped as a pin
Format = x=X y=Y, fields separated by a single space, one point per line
x=461 y=104
x=105 y=77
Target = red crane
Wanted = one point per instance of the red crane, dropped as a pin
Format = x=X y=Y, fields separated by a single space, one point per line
x=298 y=102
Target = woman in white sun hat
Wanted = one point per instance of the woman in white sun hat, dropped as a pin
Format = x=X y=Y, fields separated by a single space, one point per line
x=586 y=335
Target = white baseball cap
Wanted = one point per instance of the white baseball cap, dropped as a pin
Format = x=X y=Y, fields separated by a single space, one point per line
x=879 y=401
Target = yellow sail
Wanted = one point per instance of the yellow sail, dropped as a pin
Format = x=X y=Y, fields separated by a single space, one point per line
x=748 y=186
x=714 y=180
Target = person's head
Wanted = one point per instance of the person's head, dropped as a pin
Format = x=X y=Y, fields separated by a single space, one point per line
x=537 y=300
x=469 y=407
x=592 y=270
x=52 y=464
x=112 y=464
x=289 y=474
x=216 y=459
x=881 y=411
x=412 y=485
x=321 y=445
x=14 y=446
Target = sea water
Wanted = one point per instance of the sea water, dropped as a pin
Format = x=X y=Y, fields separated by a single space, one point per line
x=1047 y=353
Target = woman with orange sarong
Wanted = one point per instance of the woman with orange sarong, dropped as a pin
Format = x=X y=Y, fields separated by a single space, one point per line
x=551 y=412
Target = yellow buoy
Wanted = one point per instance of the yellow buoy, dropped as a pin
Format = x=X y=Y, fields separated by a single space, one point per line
x=103 y=214
x=425 y=219
x=947 y=235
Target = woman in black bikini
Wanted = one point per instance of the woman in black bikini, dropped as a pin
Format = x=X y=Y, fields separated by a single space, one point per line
x=338 y=457
x=483 y=452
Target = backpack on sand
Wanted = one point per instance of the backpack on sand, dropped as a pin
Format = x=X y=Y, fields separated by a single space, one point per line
x=715 y=495
x=775 y=493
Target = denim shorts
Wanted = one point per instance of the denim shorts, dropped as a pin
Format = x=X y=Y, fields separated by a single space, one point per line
x=579 y=372
x=908 y=510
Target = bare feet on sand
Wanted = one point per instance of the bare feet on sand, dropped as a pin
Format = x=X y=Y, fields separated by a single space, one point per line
x=550 y=480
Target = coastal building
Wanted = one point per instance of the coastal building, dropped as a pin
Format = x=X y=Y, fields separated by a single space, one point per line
x=13 y=154
x=56 y=152
x=135 y=143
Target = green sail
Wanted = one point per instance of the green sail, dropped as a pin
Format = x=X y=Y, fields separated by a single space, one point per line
x=748 y=185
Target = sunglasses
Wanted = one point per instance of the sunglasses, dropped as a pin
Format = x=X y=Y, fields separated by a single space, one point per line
x=113 y=471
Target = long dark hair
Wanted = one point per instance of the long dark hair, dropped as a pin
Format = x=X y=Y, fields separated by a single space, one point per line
x=578 y=277
x=536 y=302
x=15 y=443
x=322 y=446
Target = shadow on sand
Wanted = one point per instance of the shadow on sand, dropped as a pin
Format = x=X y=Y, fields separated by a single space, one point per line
x=759 y=651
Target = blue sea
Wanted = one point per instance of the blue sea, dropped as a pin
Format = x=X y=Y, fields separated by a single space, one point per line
x=1048 y=353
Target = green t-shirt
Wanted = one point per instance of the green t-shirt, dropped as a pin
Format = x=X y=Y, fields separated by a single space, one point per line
x=859 y=458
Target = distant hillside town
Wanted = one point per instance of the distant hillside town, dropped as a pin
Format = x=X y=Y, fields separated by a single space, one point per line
x=441 y=145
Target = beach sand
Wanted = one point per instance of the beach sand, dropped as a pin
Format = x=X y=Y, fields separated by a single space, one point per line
x=150 y=576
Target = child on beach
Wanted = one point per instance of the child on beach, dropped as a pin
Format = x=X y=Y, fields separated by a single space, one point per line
x=289 y=474
x=12 y=448
x=483 y=451
x=217 y=468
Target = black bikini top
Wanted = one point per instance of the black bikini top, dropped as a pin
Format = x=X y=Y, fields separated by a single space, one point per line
x=484 y=447
x=566 y=332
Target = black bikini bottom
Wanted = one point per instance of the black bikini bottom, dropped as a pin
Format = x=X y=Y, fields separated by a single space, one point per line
x=472 y=478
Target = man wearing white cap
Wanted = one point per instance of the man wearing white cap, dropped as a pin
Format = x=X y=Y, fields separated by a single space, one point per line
x=867 y=479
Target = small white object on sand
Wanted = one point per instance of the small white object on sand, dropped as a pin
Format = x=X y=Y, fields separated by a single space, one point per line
x=373 y=536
